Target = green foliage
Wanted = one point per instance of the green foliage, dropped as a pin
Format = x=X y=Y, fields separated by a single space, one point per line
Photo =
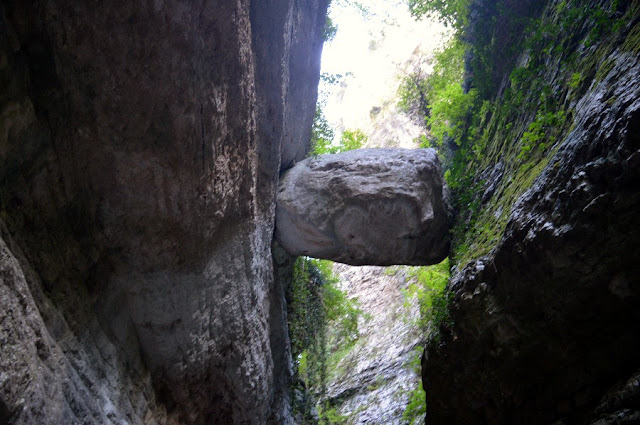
x=415 y=362
x=332 y=79
x=307 y=321
x=632 y=42
x=351 y=139
x=322 y=136
x=321 y=133
x=449 y=113
x=417 y=407
x=343 y=312
x=521 y=76
x=450 y=12
x=315 y=304
x=440 y=96
x=413 y=93
x=428 y=287
x=330 y=416
x=330 y=30
x=575 y=81
x=477 y=129
x=541 y=132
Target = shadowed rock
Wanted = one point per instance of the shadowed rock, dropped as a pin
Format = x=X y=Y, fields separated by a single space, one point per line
x=368 y=206
x=140 y=148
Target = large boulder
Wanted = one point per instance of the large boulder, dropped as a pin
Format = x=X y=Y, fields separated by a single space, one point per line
x=368 y=206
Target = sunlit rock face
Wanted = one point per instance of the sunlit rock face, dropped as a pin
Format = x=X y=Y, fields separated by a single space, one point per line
x=372 y=381
x=368 y=206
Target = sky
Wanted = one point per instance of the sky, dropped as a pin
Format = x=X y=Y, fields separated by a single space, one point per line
x=373 y=50
x=350 y=48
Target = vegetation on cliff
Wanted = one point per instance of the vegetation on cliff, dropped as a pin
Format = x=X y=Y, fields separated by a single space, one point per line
x=502 y=97
x=322 y=321
x=323 y=135
x=474 y=115
x=427 y=289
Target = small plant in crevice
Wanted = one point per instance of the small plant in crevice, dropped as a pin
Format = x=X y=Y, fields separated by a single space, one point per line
x=417 y=407
x=428 y=288
x=329 y=415
x=541 y=132
x=575 y=81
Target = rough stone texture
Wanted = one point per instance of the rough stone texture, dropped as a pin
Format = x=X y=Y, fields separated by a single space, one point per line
x=371 y=384
x=283 y=264
x=546 y=327
x=140 y=145
x=368 y=206
x=51 y=374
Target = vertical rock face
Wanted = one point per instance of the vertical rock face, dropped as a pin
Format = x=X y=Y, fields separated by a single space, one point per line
x=545 y=326
x=372 y=382
x=140 y=145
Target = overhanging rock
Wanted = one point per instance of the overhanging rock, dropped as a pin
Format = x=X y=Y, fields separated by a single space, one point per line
x=367 y=206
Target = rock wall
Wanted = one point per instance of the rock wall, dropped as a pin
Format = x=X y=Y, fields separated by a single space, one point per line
x=545 y=325
x=372 y=382
x=140 y=146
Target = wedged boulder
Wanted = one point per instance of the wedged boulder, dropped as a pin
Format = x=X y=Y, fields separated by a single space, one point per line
x=368 y=206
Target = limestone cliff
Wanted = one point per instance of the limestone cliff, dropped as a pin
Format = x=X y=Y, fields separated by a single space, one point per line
x=372 y=382
x=140 y=147
x=545 y=318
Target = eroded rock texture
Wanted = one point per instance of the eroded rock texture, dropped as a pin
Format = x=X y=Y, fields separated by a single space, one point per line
x=545 y=328
x=368 y=206
x=140 y=144
x=373 y=381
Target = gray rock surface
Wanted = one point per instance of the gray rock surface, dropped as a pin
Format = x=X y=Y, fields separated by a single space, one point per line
x=372 y=382
x=140 y=146
x=367 y=206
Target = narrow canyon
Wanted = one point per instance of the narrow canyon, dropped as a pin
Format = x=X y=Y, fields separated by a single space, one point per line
x=158 y=184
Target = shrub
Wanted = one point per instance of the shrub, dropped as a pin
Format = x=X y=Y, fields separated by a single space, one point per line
x=450 y=12
x=417 y=407
x=429 y=289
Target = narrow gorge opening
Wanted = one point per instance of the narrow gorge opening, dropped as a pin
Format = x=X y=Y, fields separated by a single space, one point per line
x=358 y=332
x=501 y=89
